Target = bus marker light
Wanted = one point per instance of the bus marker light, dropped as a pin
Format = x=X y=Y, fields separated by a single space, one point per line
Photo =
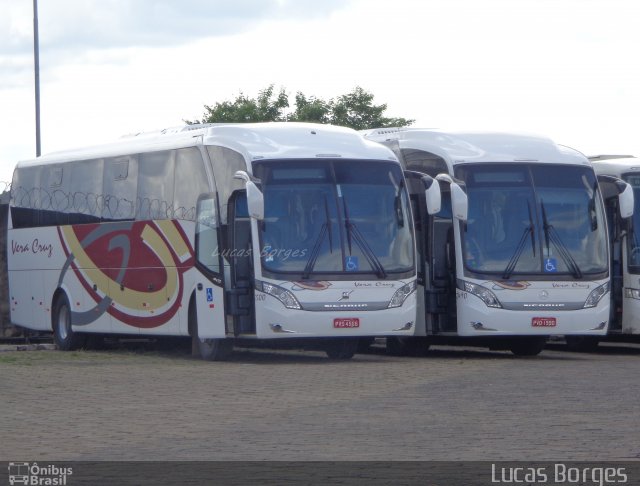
x=543 y=321
x=348 y=322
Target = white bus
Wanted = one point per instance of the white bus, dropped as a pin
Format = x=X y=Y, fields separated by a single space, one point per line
x=625 y=256
x=519 y=250
x=221 y=233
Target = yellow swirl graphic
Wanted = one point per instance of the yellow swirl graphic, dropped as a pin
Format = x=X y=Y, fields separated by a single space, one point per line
x=128 y=298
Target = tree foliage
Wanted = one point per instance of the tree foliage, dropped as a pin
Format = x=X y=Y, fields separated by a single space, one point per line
x=355 y=109
x=266 y=107
x=311 y=109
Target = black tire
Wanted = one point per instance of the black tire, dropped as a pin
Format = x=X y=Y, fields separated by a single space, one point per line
x=341 y=348
x=215 y=349
x=528 y=346
x=207 y=349
x=407 y=346
x=63 y=335
x=582 y=344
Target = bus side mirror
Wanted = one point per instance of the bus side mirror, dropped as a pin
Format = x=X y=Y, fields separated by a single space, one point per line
x=459 y=202
x=255 y=198
x=626 y=202
x=611 y=187
x=255 y=201
x=432 y=194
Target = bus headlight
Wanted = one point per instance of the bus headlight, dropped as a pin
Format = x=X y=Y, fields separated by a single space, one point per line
x=483 y=293
x=595 y=296
x=401 y=295
x=283 y=295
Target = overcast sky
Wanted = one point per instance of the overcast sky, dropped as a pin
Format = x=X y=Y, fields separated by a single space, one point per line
x=568 y=69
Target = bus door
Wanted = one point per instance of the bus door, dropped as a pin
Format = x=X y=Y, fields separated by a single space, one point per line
x=434 y=243
x=209 y=295
x=441 y=291
x=616 y=255
x=240 y=293
x=420 y=225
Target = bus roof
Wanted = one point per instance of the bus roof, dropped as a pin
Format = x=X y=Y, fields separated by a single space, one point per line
x=457 y=147
x=256 y=141
x=615 y=165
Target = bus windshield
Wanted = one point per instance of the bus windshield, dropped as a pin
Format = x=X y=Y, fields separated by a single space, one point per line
x=533 y=219
x=331 y=217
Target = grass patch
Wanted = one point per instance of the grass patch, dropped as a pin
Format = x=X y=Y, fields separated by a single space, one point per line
x=119 y=355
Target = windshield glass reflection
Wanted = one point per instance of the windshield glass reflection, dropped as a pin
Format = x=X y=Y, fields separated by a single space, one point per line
x=334 y=217
x=533 y=219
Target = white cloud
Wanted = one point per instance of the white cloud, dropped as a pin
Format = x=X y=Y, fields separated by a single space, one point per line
x=80 y=25
x=564 y=68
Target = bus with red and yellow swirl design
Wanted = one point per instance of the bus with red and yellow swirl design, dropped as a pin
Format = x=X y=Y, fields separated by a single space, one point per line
x=218 y=232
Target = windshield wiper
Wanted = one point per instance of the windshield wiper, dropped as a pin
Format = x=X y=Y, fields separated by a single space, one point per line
x=352 y=230
x=327 y=221
x=551 y=235
x=511 y=266
x=315 y=252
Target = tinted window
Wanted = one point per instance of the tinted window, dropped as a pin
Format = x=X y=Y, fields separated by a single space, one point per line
x=155 y=185
x=207 y=252
x=225 y=164
x=190 y=182
x=119 y=188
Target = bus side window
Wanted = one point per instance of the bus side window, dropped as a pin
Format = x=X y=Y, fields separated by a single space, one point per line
x=419 y=227
x=155 y=185
x=240 y=235
x=54 y=196
x=190 y=181
x=85 y=191
x=225 y=163
x=207 y=252
x=119 y=188
x=24 y=212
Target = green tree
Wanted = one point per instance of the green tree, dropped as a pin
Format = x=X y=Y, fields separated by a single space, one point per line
x=266 y=107
x=311 y=109
x=355 y=110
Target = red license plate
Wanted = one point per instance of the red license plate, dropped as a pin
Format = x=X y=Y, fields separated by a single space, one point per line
x=346 y=322
x=543 y=322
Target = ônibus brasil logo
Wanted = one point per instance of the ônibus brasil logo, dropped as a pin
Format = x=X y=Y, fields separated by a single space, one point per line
x=33 y=474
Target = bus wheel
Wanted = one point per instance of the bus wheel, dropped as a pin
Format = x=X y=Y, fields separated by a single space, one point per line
x=407 y=346
x=528 y=346
x=584 y=344
x=342 y=348
x=207 y=349
x=63 y=336
x=215 y=349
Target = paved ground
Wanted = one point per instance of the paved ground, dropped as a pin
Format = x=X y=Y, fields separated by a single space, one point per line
x=456 y=404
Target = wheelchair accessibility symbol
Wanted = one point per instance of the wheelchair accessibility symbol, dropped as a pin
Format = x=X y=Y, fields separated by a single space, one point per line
x=550 y=265
x=209 y=294
x=351 y=263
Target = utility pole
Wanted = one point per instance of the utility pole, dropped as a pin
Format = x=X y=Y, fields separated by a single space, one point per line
x=36 y=65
